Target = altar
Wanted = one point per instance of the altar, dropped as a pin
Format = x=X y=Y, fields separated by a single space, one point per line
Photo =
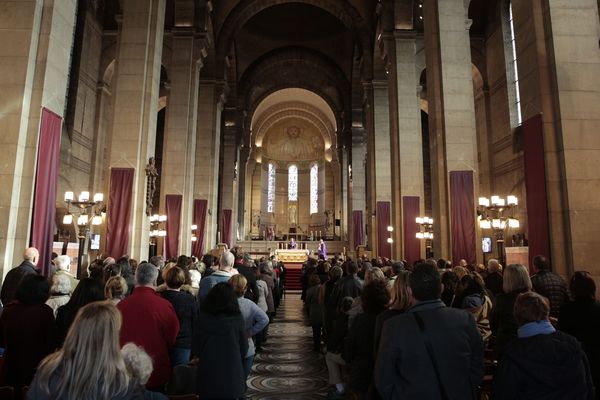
x=292 y=255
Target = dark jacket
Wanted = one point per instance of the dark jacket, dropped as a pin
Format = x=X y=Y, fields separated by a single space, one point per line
x=13 y=278
x=403 y=369
x=381 y=318
x=502 y=320
x=268 y=278
x=337 y=336
x=543 y=367
x=347 y=286
x=553 y=287
x=248 y=273
x=28 y=334
x=494 y=282
x=581 y=318
x=186 y=309
x=358 y=352
x=220 y=344
x=315 y=311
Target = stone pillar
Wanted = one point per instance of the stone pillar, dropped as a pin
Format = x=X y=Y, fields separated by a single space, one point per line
x=345 y=216
x=358 y=182
x=383 y=166
x=229 y=187
x=36 y=37
x=179 y=148
x=244 y=182
x=394 y=148
x=137 y=79
x=409 y=120
x=558 y=77
x=453 y=140
x=208 y=144
x=370 y=186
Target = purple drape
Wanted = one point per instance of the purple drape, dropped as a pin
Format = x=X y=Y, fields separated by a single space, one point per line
x=384 y=214
x=173 y=211
x=462 y=217
x=535 y=188
x=358 y=228
x=119 y=211
x=46 y=180
x=410 y=211
x=199 y=218
x=227 y=227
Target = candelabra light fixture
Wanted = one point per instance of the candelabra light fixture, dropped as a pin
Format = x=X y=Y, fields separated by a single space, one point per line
x=156 y=230
x=194 y=237
x=86 y=213
x=497 y=213
x=390 y=240
x=426 y=233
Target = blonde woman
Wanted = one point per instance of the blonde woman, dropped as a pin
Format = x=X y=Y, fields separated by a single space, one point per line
x=401 y=300
x=502 y=320
x=255 y=319
x=90 y=365
x=116 y=289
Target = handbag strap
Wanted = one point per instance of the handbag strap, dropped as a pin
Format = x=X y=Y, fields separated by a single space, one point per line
x=421 y=325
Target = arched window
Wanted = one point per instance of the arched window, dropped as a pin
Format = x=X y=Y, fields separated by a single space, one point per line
x=293 y=183
x=512 y=71
x=271 y=188
x=314 y=189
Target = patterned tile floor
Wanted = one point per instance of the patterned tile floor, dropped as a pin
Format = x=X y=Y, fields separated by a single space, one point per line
x=287 y=369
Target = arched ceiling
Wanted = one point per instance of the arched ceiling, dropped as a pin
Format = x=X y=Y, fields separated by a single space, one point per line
x=294 y=98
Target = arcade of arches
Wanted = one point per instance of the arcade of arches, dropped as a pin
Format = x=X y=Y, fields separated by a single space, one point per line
x=272 y=119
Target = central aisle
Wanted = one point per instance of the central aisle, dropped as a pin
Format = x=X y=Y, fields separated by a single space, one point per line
x=287 y=368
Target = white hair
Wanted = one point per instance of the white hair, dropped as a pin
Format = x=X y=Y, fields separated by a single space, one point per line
x=137 y=362
x=61 y=284
x=62 y=262
x=146 y=274
x=227 y=259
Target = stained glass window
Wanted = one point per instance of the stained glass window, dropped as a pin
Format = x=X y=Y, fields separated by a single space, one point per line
x=314 y=189
x=293 y=183
x=271 y=188
x=513 y=65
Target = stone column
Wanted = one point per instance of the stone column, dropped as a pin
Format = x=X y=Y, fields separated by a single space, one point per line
x=345 y=216
x=453 y=141
x=36 y=37
x=244 y=181
x=229 y=187
x=370 y=186
x=358 y=181
x=394 y=149
x=137 y=79
x=383 y=166
x=179 y=148
x=559 y=65
x=208 y=144
x=409 y=120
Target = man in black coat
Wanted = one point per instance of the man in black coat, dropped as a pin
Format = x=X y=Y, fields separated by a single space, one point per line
x=348 y=286
x=431 y=349
x=15 y=275
x=242 y=264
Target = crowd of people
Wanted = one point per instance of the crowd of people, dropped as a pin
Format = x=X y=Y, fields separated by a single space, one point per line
x=431 y=330
x=386 y=330
x=132 y=330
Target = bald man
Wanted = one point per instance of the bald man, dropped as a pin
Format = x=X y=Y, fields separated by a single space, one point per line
x=15 y=275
